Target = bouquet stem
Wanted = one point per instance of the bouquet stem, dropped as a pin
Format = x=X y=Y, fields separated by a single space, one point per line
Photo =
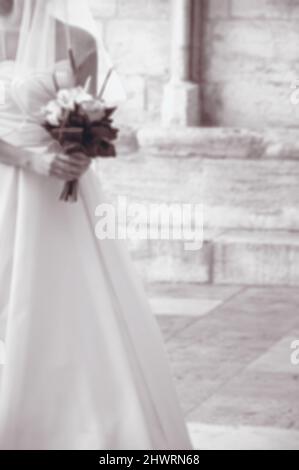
x=70 y=191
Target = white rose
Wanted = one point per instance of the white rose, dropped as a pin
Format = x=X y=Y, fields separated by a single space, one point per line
x=53 y=120
x=53 y=113
x=95 y=109
x=65 y=99
x=80 y=95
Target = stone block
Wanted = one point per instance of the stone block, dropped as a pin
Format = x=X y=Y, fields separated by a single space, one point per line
x=257 y=258
x=215 y=9
x=201 y=142
x=247 y=102
x=250 y=49
x=260 y=9
x=168 y=262
x=159 y=9
x=138 y=47
x=248 y=72
x=131 y=111
x=247 y=194
x=227 y=41
x=103 y=8
x=294 y=9
x=251 y=194
x=152 y=180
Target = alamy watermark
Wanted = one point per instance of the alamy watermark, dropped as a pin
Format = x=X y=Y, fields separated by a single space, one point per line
x=137 y=221
x=295 y=353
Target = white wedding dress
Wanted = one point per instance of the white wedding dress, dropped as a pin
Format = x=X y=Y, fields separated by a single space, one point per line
x=85 y=363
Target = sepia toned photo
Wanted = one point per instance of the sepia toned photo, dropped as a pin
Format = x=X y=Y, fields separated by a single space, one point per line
x=149 y=227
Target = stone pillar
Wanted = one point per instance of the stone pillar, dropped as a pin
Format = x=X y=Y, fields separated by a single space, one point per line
x=181 y=102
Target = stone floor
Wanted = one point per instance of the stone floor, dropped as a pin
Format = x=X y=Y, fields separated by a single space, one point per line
x=230 y=352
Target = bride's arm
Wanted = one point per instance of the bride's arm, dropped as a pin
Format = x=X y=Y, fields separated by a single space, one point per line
x=46 y=164
x=62 y=166
x=14 y=156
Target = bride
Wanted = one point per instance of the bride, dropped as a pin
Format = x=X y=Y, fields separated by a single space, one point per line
x=85 y=364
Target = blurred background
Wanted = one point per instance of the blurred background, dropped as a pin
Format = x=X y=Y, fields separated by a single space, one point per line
x=211 y=118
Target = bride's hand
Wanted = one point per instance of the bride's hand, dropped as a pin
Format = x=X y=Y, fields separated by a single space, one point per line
x=69 y=166
x=63 y=166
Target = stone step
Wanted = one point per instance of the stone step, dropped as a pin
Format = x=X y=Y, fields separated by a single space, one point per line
x=220 y=142
x=224 y=437
x=167 y=261
x=256 y=258
x=248 y=184
x=257 y=194
x=251 y=194
x=230 y=257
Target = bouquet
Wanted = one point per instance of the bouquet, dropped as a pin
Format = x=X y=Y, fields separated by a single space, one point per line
x=74 y=116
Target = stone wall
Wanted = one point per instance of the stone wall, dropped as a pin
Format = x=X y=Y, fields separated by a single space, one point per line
x=251 y=57
x=250 y=51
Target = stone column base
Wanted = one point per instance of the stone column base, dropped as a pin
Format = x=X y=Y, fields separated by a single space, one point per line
x=181 y=104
